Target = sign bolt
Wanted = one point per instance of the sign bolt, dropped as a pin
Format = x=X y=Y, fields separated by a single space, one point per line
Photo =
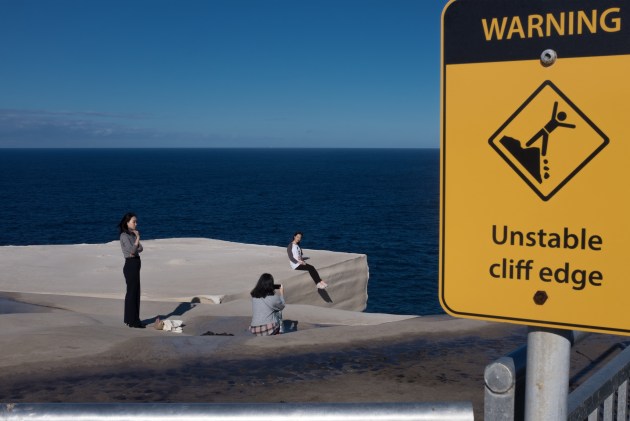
x=540 y=297
x=548 y=57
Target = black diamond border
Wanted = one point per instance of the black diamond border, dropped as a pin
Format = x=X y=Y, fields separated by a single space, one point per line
x=577 y=169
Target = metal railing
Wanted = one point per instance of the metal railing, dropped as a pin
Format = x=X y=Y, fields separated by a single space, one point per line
x=425 y=411
x=605 y=394
x=504 y=378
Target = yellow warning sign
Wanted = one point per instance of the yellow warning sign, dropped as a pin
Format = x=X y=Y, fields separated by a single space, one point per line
x=535 y=214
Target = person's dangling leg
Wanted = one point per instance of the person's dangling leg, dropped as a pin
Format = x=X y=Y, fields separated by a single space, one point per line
x=314 y=275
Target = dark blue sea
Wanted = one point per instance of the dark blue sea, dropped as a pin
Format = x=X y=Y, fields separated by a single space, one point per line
x=380 y=202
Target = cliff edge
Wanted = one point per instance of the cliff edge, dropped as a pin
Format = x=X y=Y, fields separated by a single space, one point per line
x=184 y=270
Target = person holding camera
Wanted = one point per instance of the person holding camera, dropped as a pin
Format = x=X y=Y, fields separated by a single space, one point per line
x=266 y=307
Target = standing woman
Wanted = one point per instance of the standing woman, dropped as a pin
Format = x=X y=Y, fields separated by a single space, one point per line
x=131 y=248
x=266 y=307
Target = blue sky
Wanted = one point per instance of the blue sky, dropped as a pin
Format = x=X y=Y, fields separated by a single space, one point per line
x=220 y=73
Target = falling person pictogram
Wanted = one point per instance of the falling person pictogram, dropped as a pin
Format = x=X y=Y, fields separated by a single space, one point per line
x=530 y=156
x=568 y=150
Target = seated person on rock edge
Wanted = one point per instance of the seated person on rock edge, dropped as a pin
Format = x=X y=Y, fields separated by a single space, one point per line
x=296 y=260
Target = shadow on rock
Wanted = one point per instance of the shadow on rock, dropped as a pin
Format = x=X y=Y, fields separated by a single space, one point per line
x=179 y=311
x=325 y=296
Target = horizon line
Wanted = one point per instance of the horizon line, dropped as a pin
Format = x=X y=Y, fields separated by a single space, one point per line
x=209 y=147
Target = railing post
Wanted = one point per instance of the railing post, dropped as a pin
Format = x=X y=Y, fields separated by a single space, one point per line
x=547 y=377
x=500 y=390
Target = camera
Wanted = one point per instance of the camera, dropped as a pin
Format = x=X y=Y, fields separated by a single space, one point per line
x=276 y=286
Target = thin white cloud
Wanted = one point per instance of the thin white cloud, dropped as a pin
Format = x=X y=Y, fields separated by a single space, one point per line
x=17 y=113
x=86 y=129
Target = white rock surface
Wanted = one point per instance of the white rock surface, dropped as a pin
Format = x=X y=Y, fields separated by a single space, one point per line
x=182 y=270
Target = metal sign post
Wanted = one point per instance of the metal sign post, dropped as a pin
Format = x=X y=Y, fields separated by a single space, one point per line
x=547 y=376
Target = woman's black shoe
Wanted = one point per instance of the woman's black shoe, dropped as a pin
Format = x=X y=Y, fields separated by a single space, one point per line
x=137 y=325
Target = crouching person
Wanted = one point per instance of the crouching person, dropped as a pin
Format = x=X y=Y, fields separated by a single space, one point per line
x=267 y=307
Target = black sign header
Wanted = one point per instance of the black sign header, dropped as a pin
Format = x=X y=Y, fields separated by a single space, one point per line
x=478 y=31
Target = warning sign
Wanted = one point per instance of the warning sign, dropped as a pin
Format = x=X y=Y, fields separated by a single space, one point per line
x=534 y=206
x=548 y=140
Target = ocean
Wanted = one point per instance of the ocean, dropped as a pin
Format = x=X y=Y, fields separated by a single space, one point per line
x=380 y=202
